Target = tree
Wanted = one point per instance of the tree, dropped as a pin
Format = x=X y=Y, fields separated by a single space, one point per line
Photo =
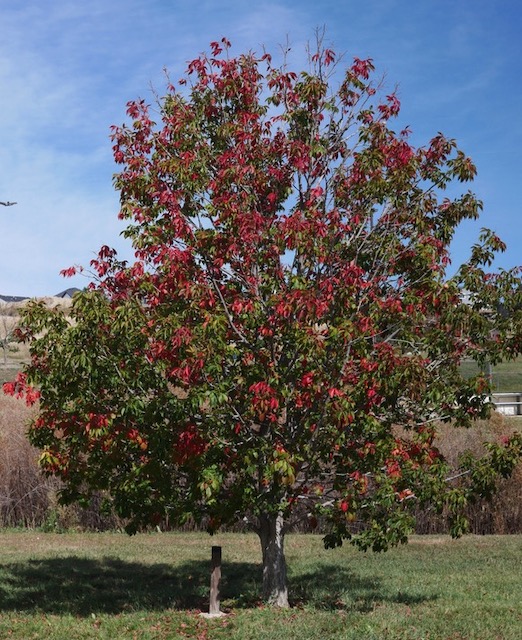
x=289 y=335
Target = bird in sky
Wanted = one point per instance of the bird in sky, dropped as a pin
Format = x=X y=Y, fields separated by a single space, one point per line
x=8 y=204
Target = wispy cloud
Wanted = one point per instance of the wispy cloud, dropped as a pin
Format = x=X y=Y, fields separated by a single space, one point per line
x=68 y=68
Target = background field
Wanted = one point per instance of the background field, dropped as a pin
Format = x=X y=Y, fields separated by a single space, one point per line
x=155 y=585
x=12 y=354
x=506 y=376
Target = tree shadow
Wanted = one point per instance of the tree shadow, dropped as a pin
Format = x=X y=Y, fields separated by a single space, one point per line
x=331 y=587
x=82 y=587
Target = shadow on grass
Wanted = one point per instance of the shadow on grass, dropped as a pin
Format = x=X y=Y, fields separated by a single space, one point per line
x=83 y=586
x=335 y=588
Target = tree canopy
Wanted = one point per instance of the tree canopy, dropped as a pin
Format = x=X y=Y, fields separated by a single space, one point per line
x=291 y=331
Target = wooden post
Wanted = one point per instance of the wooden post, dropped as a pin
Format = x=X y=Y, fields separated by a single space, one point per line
x=215 y=582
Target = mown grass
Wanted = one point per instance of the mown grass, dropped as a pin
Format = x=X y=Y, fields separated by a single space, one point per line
x=152 y=586
x=505 y=376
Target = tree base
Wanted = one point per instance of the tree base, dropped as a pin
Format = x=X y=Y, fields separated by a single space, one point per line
x=271 y=535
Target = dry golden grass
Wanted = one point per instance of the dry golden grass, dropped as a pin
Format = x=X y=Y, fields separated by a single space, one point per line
x=24 y=492
x=28 y=499
x=501 y=515
x=16 y=354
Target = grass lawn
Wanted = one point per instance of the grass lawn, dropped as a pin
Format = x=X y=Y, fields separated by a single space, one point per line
x=111 y=586
x=506 y=376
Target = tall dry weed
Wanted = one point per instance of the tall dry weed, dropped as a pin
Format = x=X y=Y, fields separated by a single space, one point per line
x=503 y=513
x=29 y=499
x=24 y=492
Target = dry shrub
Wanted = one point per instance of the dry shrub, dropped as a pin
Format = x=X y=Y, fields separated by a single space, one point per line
x=501 y=515
x=29 y=499
x=24 y=492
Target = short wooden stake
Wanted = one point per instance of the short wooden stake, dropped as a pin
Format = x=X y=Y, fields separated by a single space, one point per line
x=215 y=582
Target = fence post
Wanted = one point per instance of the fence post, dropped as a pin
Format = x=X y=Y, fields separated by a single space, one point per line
x=215 y=582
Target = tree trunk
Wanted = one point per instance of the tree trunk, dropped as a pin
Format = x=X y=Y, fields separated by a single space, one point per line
x=271 y=534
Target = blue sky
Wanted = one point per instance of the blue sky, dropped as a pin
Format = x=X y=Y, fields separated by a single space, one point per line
x=68 y=68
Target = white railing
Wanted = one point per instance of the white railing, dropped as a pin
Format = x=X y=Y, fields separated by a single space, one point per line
x=509 y=404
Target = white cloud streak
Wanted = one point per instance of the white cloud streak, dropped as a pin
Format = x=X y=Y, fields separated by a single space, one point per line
x=68 y=68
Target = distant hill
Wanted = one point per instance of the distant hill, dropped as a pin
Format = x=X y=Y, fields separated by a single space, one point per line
x=11 y=299
x=63 y=295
